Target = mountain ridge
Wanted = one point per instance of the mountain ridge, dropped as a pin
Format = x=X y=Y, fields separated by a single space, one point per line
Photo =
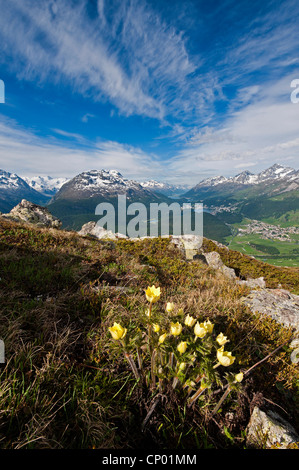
x=275 y=173
x=13 y=189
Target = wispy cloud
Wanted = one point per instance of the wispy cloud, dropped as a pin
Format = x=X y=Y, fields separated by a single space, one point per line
x=122 y=52
x=260 y=134
x=87 y=116
x=220 y=94
x=29 y=154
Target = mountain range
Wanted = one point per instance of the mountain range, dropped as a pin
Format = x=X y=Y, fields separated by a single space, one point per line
x=13 y=189
x=171 y=190
x=46 y=185
x=287 y=179
x=274 y=192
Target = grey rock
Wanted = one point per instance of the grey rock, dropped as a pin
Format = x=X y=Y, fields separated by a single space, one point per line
x=94 y=230
x=32 y=213
x=188 y=244
x=279 y=304
x=268 y=430
x=214 y=261
x=253 y=283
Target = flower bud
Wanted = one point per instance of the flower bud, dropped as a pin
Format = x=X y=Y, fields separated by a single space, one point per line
x=182 y=347
x=175 y=329
x=117 y=331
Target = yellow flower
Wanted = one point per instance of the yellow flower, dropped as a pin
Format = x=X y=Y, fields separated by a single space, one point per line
x=225 y=358
x=169 y=307
x=208 y=326
x=221 y=339
x=117 y=331
x=182 y=366
x=162 y=338
x=156 y=328
x=175 y=329
x=182 y=347
x=199 y=330
x=153 y=294
x=190 y=321
x=239 y=377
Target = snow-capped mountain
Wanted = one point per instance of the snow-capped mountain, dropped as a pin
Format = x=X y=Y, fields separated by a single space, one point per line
x=11 y=181
x=45 y=184
x=13 y=189
x=275 y=174
x=104 y=183
x=165 y=188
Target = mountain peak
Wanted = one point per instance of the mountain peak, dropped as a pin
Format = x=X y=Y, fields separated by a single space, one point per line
x=46 y=185
x=103 y=183
x=275 y=171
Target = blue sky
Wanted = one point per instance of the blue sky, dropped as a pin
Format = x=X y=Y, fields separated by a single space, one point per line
x=176 y=91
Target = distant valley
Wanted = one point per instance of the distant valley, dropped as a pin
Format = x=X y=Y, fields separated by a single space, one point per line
x=240 y=211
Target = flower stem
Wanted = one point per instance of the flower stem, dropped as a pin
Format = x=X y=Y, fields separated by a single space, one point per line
x=150 y=329
x=224 y=396
x=175 y=382
x=139 y=359
x=133 y=365
x=153 y=363
x=196 y=395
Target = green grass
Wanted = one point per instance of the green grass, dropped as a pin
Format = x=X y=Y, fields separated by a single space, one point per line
x=276 y=252
x=64 y=385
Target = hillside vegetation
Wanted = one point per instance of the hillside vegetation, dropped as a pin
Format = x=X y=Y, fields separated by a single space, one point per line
x=66 y=382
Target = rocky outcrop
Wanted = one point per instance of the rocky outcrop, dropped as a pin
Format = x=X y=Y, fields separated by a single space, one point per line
x=253 y=283
x=214 y=261
x=268 y=430
x=279 y=304
x=92 y=229
x=188 y=244
x=32 y=213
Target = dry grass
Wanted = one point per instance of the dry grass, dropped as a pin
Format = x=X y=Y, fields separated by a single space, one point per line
x=64 y=386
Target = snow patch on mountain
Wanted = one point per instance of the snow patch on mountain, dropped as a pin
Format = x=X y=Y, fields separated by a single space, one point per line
x=275 y=172
x=45 y=184
x=165 y=188
x=11 y=181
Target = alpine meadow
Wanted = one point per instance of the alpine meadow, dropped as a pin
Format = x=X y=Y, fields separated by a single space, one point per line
x=149 y=229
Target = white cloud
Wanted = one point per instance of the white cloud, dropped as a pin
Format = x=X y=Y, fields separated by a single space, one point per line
x=87 y=116
x=258 y=135
x=128 y=55
x=22 y=152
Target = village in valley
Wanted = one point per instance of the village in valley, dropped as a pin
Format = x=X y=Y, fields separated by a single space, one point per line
x=268 y=231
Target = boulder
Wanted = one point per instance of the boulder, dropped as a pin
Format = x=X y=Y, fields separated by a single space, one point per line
x=188 y=244
x=31 y=213
x=214 y=261
x=92 y=229
x=268 y=430
x=254 y=283
x=279 y=304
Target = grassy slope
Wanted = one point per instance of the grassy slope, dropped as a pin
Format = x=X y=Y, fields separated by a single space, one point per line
x=275 y=252
x=64 y=387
